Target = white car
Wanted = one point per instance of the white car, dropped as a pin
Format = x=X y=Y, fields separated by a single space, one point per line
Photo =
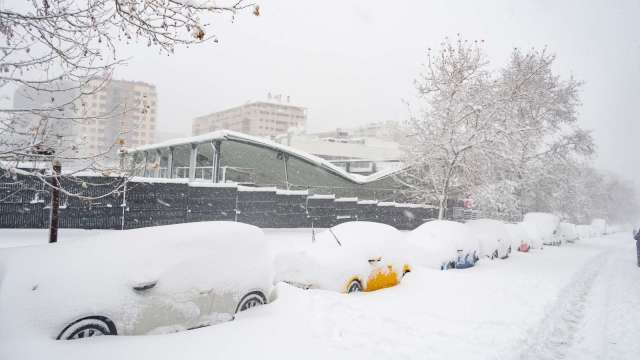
x=442 y=244
x=520 y=239
x=493 y=237
x=350 y=257
x=599 y=227
x=544 y=224
x=566 y=232
x=584 y=231
x=143 y=281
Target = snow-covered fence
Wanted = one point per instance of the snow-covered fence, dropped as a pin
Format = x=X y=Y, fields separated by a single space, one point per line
x=24 y=203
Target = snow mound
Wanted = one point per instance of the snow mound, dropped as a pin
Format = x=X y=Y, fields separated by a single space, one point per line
x=567 y=232
x=44 y=287
x=436 y=243
x=340 y=253
x=541 y=227
x=518 y=235
x=599 y=227
x=493 y=237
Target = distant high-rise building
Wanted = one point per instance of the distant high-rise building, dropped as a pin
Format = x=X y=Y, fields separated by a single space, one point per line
x=259 y=118
x=119 y=113
x=97 y=120
x=35 y=127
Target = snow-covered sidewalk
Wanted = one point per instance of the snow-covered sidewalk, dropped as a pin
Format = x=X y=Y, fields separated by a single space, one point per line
x=610 y=327
x=576 y=301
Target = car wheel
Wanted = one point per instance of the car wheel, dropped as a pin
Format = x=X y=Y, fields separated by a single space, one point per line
x=252 y=299
x=354 y=286
x=494 y=255
x=88 y=327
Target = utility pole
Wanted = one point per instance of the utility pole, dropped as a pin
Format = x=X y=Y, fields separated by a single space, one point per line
x=55 y=202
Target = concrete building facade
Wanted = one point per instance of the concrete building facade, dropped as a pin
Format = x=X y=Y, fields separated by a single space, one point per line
x=120 y=113
x=100 y=119
x=266 y=119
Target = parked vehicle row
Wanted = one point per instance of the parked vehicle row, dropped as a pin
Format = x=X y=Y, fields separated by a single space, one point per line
x=177 y=277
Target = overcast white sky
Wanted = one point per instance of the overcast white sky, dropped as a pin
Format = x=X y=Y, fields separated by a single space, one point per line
x=352 y=62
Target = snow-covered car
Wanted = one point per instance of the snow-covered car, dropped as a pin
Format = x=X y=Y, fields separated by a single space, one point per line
x=520 y=239
x=584 y=231
x=493 y=237
x=349 y=257
x=599 y=227
x=544 y=224
x=442 y=244
x=566 y=232
x=149 y=280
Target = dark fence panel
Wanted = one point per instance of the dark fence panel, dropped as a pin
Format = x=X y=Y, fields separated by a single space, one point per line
x=108 y=203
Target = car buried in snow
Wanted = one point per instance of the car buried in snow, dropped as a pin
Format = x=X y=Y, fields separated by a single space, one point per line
x=133 y=282
x=520 y=239
x=493 y=237
x=566 y=233
x=442 y=244
x=545 y=225
x=350 y=257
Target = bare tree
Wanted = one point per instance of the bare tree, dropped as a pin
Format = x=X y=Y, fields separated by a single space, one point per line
x=547 y=142
x=59 y=52
x=455 y=139
x=510 y=138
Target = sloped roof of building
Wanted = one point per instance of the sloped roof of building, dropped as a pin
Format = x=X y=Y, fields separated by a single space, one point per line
x=244 y=138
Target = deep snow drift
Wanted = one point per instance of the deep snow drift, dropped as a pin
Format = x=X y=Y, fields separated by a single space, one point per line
x=577 y=301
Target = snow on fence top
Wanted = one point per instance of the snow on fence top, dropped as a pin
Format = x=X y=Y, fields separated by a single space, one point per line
x=292 y=192
x=256 y=189
x=387 y=203
x=322 y=196
x=346 y=199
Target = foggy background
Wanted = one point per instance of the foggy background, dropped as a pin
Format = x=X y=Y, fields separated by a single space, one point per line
x=354 y=62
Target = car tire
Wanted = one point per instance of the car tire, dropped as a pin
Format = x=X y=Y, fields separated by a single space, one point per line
x=252 y=299
x=88 y=327
x=354 y=286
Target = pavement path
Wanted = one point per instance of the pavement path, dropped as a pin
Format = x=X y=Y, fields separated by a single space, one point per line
x=596 y=316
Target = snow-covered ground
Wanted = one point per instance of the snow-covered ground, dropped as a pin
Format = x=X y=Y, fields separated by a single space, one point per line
x=579 y=301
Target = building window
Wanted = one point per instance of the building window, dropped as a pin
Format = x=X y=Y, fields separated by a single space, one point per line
x=204 y=161
x=180 y=161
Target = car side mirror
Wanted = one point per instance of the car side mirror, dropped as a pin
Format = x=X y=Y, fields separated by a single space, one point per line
x=144 y=286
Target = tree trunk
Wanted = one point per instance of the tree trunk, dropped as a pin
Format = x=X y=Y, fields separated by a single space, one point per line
x=443 y=207
x=55 y=203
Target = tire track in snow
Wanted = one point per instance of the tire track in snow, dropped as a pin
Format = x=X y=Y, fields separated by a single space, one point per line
x=554 y=335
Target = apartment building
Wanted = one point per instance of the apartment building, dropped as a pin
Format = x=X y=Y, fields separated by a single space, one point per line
x=266 y=119
x=99 y=119
x=120 y=113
